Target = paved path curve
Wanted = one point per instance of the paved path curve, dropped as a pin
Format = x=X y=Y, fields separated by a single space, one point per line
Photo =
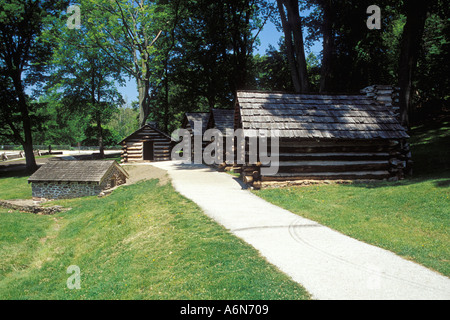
x=327 y=263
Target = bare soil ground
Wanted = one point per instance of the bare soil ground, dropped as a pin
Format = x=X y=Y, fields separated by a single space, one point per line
x=145 y=172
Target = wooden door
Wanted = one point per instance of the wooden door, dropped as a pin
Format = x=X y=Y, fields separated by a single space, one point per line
x=148 y=150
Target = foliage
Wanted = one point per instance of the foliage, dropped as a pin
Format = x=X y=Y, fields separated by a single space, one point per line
x=272 y=71
x=127 y=32
x=23 y=54
x=58 y=125
x=84 y=80
x=123 y=123
x=432 y=97
x=109 y=137
x=182 y=63
x=360 y=57
x=206 y=67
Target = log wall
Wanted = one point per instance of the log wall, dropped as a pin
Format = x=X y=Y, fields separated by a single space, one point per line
x=333 y=160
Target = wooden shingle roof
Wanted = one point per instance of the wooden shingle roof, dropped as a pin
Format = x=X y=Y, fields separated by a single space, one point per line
x=74 y=171
x=222 y=119
x=145 y=126
x=309 y=116
x=190 y=117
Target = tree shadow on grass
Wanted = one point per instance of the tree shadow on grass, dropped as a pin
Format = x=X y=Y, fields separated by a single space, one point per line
x=443 y=183
x=431 y=160
x=14 y=171
x=441 y=180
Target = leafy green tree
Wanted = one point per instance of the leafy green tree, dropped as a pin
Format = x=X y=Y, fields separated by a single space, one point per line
x=409 y=50
x=430 y=95
x=109 y=137
x=58 y=125
x=213 y=56
x=23 y=57
x=85 y=80
x=127 y=32
x=123 y=122
x=272 y=71
x=416 y=14
x=314 y=69
x=353 y=56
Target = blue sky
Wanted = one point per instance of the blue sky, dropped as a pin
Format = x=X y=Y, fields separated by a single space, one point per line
x=268 y=36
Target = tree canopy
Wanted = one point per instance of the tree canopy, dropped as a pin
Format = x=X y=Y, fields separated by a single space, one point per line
x=59 y=85
x=23 y=57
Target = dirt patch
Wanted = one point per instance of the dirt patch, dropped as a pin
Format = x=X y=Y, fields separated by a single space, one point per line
x=145 y=172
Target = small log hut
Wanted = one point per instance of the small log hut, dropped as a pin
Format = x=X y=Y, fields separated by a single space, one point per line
x=147 y=144
x=188 y=123
x=325 y=137
x=222 y=120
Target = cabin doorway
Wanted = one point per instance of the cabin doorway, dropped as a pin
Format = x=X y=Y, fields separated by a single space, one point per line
x=148 y=151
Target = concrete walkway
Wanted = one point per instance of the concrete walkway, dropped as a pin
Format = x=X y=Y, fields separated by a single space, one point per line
x=327 y=263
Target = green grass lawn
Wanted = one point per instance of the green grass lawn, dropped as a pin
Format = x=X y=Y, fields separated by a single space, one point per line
x=143 y=241
x=409 y=217
x=15 y=188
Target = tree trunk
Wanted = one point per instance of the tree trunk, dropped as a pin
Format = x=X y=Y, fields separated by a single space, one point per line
x=289 y=48
x=328 y=44
x=241 y=14
x=296 y=27
x=30 y=160
x=27 y=142
x=101 y=147
x=144 y=108
x=166 y=97
x=96 y=105
x=292 y=28
x=416 y=13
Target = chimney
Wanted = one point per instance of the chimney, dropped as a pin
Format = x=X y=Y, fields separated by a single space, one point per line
x=387 y=94
x=153 y=124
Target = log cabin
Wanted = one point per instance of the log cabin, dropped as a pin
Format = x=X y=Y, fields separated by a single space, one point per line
x=146 y=144
x=325 y=137
x=222 y=120
x=188 y=122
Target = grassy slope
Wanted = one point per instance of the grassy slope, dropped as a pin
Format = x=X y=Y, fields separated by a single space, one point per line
x=142 y=242
x=15 y=188
x=410 y=217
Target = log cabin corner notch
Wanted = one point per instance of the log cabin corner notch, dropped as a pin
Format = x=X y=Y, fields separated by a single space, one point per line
x=147 y=144
x=324 y=137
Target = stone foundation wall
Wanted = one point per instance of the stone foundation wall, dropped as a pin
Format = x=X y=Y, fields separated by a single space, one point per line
x=113 y=174
x=36 y=209
x=64 y=190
